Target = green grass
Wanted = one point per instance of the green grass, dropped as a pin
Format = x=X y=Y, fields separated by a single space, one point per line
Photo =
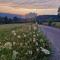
x=22 y=42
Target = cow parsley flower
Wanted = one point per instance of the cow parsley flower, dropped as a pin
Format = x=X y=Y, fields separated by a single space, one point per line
x=24 y=35
x=30 y=52
x=18 y=36
x=34 y=40
x=45 y=50
x=36 y=43
x=37 y=49
x=14 y=43
x=34 y=35
x=14 y=34
x=8 y=45
x=21 y=44
x=14 y=55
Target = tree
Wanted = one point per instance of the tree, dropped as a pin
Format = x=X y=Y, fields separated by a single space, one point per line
x=50 y=22
x=59 y=11
x=6 y=20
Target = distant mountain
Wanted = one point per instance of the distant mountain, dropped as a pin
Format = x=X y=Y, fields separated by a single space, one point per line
x=11 y=15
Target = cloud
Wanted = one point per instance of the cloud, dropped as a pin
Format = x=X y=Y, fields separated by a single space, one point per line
x=35 y=3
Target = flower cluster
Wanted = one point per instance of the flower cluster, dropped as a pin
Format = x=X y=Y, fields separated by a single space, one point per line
x=23 y=45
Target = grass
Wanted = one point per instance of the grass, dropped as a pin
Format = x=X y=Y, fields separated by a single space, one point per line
x=23 y=42
x=57 y=24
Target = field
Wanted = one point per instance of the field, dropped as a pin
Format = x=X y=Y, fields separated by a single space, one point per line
x=57 y=24
x=23 y=42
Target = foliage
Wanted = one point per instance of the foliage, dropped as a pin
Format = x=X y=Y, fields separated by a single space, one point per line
x=27 y=44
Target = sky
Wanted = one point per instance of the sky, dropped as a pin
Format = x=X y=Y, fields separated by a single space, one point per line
x=41 y=7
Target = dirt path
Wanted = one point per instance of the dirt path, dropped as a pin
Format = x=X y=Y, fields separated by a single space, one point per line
x=53 y=35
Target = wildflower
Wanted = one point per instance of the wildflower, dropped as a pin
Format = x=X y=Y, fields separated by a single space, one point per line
x=37 y=49
x=24 y=35
x=34 y=40
x=14 y=43
x=13 y=31
x=41 y=40
x=8 y=45
x=14 y=34
x=30 y=52
x=26 y=44
x=0 y=42
x=34 y=35
x=21 y=44
x=26 y=53
x=14 y=55
x=36 y=43
x=34 y=32
x=18 y=36
x=45 y=50
x=37 y=34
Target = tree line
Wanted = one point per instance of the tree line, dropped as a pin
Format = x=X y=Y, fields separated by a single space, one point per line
x=6 y=20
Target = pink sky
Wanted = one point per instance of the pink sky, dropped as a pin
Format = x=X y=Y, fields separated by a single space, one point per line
x=42 y=7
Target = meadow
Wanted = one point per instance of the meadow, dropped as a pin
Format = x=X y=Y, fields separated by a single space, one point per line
x=23 y=42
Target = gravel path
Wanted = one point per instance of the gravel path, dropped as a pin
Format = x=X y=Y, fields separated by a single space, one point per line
x=53 y=35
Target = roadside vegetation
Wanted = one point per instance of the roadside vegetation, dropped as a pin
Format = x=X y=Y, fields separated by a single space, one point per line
x=23 y=42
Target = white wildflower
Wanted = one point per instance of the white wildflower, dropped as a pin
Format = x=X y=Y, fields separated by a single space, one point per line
x=13 y=31
x=45 y=50
x=26 y=44
x=34 y=35
x=18 y=36
x=21 y=44
x=26 y=53
x=14 y=43
x=14 y=55
x=36 y=43
x=8 y=45
x=30 y=52
x=14 y=34
x=24 y=35
x=37 y=34
x=0 y=42
x=34 y=32
x=41 y=40
x=37 y=49
x=34 y=40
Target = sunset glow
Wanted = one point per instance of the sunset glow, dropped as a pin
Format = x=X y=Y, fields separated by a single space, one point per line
x=25 y=6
